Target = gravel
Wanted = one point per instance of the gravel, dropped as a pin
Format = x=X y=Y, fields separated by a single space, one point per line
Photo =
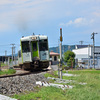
x=19 y=84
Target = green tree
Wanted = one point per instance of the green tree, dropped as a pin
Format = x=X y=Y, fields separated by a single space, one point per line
x=69 y=58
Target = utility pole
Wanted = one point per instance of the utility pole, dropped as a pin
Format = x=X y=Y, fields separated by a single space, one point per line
x=58 y=45
x=12 y=53
x=88 y=56
x=63 y=49
x=69 y=47
x=5 y=55
x=93 y=34
x=81 y=42
x=56 y=49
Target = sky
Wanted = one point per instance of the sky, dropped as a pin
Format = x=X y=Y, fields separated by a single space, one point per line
x=77 y=18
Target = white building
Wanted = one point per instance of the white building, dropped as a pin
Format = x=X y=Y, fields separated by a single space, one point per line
x=84 y=56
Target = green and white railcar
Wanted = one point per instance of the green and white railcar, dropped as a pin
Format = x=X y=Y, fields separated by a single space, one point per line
x=34 y=53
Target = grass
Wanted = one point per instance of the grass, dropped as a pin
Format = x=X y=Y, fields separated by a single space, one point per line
x=51 y=74
x=8 y=72
x=2 y=64
x=90 y=91
x=45 y=93
x=85 y=71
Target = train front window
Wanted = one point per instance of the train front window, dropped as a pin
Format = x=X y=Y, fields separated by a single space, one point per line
x=25 y=46
x=43 y=45
x=35 y=46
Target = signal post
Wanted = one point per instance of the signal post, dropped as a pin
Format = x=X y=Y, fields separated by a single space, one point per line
x=60 y=62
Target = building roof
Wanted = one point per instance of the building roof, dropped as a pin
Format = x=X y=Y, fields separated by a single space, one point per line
x=81 y=46
x=54 y=54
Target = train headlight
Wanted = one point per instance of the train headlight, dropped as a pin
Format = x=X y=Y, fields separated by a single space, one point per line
x=34 y=38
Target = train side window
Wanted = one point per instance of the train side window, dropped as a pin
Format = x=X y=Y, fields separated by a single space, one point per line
x=35 y=46
x=19 y=53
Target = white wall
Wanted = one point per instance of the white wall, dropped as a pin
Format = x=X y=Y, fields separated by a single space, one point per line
x=88 y=51
x=81 y=51
x=97 y=50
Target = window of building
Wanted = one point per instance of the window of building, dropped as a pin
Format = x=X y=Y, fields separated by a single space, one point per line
x=55 y=58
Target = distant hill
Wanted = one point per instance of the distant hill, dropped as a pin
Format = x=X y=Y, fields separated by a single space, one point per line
x=64 y=48
x=16 y=55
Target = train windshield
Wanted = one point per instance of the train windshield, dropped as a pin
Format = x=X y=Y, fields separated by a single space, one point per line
x=43 y=45
x=25 y=46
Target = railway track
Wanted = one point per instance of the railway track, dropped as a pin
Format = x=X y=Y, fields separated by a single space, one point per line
x=20 y=72
x=20 y=82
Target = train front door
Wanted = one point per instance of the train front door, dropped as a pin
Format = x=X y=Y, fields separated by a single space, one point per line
x=35 y=52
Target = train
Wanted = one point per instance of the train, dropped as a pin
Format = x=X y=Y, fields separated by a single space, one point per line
x=34 y=52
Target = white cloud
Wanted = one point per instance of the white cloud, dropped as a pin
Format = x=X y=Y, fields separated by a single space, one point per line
x=22 y=12
x=78 y=22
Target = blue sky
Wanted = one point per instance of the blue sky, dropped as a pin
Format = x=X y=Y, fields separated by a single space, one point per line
x=77 y=18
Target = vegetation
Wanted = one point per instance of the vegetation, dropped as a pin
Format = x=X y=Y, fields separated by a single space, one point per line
x=8 y=72
x=2 y=64
x=90 y=91
x=69 y=58
x=45 y=93
x=51 y=74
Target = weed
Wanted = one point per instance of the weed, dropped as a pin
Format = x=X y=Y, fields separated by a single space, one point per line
x=8 y=72
x=90 y=91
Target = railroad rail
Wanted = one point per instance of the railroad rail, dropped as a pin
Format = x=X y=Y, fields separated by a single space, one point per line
x=23 y=73
x=12 y=75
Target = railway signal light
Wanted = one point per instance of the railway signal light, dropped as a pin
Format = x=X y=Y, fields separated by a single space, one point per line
x=61 y=39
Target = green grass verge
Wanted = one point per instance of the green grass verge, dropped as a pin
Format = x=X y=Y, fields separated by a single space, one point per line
x=2 y=64
x=45 y=93
x=84 y=71
x=90 y=91
x=7 y=72
x=51 y=74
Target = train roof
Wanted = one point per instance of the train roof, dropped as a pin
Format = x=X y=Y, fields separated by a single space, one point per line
x=34 y=38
